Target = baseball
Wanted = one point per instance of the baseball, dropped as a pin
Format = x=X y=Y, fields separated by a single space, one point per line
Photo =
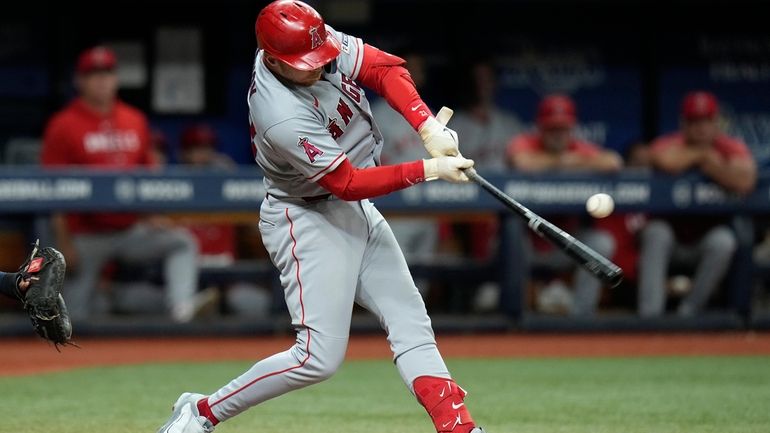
x=600 y=205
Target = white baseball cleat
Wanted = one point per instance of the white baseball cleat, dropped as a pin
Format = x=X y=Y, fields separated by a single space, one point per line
x=185 y=417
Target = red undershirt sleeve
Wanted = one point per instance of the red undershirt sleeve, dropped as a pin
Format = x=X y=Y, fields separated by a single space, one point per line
x=351 y=184
x=386 y=75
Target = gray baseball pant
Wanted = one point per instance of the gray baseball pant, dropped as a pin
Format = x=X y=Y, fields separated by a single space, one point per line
x=711 y=255
x=138 y=244
x=331 y=254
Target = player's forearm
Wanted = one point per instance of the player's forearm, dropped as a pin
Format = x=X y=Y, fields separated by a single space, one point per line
x=534 y=162
x=676 y=160
x=386 y=75
x=607 y=162
x=736 y=177
x=8 y=284
x=351 y=184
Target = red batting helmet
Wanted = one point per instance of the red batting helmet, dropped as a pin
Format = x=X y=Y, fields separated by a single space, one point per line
x=294 y=33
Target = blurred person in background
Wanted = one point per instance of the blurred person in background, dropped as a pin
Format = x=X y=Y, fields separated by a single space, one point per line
x=98 y=130
x=625 y=228
x=199 y=148
x=483 y=127
x=159 y=147
x=707 y=242
x=417 y=237
x=484 y=130
x=553 y=147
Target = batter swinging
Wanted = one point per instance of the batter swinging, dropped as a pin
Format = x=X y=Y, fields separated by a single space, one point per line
x=314 y=137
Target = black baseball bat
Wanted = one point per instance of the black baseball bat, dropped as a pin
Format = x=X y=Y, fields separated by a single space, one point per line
x=589 y=259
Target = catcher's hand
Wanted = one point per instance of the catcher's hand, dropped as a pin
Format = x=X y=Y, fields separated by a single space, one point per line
x=43 y=274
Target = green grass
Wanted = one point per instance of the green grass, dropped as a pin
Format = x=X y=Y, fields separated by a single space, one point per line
x=704 y=394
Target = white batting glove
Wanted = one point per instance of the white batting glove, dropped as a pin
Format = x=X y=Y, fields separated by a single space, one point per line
x=438 y=139
x=448 y=168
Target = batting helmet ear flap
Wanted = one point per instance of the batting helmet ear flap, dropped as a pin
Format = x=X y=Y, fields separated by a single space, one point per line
x=331 y=67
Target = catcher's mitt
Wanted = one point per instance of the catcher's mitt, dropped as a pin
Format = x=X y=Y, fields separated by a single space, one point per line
x=42 y=299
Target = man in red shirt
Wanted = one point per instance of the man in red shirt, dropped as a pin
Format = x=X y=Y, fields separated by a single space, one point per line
x=700 y=145
x=98 y=130
x=199 y=149
x=554 y=147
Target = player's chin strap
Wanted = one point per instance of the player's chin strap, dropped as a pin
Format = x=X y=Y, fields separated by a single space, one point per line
x=331 y=67
x=443 y=400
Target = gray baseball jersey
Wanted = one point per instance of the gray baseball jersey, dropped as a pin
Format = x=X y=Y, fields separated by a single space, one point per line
x=301 y=133
x=330 y=253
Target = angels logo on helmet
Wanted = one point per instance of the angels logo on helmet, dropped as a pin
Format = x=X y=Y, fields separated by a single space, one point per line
x=315 y=39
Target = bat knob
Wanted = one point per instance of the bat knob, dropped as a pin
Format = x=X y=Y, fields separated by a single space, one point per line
x=614 y=278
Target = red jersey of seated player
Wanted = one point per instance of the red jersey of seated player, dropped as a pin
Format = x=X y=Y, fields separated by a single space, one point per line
x=533 y=143
x=726 y=146
x=78 y=135
x=688 y=229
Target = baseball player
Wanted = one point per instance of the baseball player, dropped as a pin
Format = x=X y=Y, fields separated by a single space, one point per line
x=314 y=137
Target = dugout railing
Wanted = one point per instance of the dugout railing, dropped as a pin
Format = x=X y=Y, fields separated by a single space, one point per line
x=36 y=193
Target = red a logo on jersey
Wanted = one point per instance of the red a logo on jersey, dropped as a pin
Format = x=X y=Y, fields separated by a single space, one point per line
x=311 y=151
x=315 y=38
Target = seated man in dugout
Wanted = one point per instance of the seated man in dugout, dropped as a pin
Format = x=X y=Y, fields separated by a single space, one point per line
x=705 y=242
x=554 y=147
x=99 y=131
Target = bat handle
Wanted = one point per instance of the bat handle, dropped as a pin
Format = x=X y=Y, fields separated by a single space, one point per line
x=472 y=174
x=444 y=114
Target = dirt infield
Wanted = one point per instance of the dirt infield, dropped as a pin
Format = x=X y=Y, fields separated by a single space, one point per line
x=31 y=356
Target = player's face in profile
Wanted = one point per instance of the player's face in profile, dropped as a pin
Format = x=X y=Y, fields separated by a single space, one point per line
x=98 y=86
x=701 y=132
x=294 y=75
x=556 y=139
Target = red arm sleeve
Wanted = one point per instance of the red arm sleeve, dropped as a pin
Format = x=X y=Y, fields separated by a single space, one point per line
x=350 y=183
x=385 y=74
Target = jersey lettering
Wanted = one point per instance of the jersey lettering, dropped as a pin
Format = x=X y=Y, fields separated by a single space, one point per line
x=253 y=133
x=344 y=110
x=351 y=88
x=111 y=141
x=311 y=151
x=334 y=128
x=253 y=85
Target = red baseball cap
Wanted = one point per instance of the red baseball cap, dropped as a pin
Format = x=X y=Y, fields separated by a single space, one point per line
x=198 y=136
x=96 y=59
x=699 y=105
x=556 y=111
